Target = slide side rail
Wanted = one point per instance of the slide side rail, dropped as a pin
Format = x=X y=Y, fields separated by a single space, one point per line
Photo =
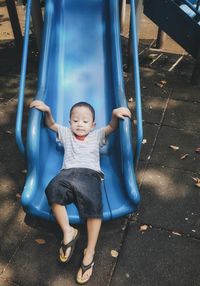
x=20 y=107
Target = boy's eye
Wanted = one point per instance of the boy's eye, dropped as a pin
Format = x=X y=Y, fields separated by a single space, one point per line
x=75 y=120
x=85 y=121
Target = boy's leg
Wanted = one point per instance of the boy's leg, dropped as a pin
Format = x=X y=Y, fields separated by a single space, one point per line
x=93 y=228
x=63 y=221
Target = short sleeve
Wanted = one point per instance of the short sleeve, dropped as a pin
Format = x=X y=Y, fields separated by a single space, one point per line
x=63 y=133
x=101 y=137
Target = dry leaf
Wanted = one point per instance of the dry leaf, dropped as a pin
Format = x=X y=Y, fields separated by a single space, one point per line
x=197 y=184
x=143 y=227
x=144 y=87
x=197 y=150
x=175 y=148
x=8 y=132
x=40 y=241
x=18 y=195
x=163 y=82
x=114 y=253
x=184 y=156
x=24 y=171
x=144 y=141
x=197 y=180
x=176 y=233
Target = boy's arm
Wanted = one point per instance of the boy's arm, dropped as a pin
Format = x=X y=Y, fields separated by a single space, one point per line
x=117 y=113
x=49 y=121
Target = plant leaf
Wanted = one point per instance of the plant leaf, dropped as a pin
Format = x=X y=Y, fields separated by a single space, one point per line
x=114 y=253
x=197 y=150
x=143 y=227
x=184 y=156
x=174 y=147
x=40 y=241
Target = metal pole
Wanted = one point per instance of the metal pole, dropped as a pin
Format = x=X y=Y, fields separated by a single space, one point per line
x=37 y=21
x=138 y=9
x=12 y=11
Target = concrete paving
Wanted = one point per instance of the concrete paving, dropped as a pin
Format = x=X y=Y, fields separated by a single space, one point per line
x=159 y=244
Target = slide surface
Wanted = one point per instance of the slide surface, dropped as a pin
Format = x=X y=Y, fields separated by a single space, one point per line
x=80 y=61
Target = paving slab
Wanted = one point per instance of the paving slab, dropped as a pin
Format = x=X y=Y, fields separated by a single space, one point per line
x=152 y=108
x=170 y=200
x=150 y=132
x=153 y=83
x=158 y=258
x=183 y=115
x=10 y=85
x=185 y=91
x=40 y=263
x=186 y=140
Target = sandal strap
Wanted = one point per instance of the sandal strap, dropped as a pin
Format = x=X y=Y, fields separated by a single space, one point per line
x=84 y=268
x=69 y=244
x=66 y=246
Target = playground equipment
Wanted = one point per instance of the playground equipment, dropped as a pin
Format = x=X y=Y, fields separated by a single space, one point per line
x=80 y=60
x=180 y=19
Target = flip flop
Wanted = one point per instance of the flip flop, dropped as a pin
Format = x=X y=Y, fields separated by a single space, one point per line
x=71 y=245
x=84 y=268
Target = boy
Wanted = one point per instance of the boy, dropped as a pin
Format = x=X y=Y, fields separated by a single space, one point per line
x=80 y=178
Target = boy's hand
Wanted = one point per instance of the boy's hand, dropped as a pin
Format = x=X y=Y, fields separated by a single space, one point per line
x=122 y=112
x=40 y=105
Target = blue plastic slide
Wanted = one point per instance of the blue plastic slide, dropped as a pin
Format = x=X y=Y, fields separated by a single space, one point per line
x=80 y=61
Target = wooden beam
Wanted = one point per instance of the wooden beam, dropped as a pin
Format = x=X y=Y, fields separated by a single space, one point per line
x=12 y=11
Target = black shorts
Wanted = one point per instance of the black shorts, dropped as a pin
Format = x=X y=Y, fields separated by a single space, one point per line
x=81 y=186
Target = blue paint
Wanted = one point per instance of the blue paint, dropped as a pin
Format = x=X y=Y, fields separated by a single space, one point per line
x=81 y=61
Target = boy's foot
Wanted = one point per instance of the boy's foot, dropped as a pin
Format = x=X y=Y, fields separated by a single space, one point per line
x=86 y=268
x=66 y=250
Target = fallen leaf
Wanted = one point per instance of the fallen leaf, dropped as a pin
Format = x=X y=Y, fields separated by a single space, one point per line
x=18 y=195
x=8 y=132
x=114 y=253
x=184 y=156
x=144 y=87
x=197 y=181
x=24 y=171
x=40 y=241
x=197 y=184
x=161 y=83
x=143 y=227
x=175 y=148
x=144 y=141
x=176 y=233
x=197 y=150
x=127 y=275
x=152 y=56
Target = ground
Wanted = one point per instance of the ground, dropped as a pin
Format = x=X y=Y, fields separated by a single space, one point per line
x=156 y=246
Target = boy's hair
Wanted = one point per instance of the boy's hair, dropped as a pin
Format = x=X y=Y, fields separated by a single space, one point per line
x=85 y=104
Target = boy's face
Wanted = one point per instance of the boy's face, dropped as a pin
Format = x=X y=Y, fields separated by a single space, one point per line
x=81 y=121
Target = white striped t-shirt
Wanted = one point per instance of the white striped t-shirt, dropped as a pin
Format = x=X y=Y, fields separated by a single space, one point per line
x=81 y=154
